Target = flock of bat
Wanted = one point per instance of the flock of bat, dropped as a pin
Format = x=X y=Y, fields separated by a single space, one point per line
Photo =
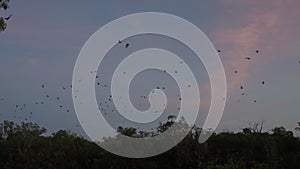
x=107 y=103
x=242 y=87
x=22 y=108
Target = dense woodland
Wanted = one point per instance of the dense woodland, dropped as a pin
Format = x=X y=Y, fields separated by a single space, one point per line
x=26 y=146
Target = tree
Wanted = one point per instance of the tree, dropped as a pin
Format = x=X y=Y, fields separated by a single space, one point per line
x=4 y=6
x=281 y=131
x=26 y=146
x=298 y=127
x=254 y=128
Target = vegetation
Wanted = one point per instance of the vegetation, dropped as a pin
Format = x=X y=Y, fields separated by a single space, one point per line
x=25 y=146
x=3 y=6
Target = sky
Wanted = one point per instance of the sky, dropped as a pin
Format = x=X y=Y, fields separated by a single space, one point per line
x=43 y=40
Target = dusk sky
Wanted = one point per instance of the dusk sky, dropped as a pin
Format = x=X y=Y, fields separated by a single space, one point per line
x=43 y=40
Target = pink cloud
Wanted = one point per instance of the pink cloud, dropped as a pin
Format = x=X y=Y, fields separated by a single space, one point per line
x=263 y=28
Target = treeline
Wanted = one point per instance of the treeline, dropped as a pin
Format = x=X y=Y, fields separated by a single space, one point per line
x=23 y=146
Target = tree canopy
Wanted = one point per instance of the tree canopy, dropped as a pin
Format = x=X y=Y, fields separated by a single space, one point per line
x=25 y=146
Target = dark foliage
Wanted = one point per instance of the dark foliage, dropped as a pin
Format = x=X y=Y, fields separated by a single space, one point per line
x=4 y=6
x=24 y=146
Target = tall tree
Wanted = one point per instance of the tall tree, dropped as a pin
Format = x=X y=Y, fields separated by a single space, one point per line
x=3 y=19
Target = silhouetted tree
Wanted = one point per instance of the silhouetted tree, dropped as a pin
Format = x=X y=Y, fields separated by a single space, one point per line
x=298 y=127
x=4 y=6
x=26 y=146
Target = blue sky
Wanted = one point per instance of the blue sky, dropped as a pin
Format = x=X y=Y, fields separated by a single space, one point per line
x=44 y=38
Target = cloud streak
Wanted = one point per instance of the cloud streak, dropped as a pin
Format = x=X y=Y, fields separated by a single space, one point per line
x=259 y=28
